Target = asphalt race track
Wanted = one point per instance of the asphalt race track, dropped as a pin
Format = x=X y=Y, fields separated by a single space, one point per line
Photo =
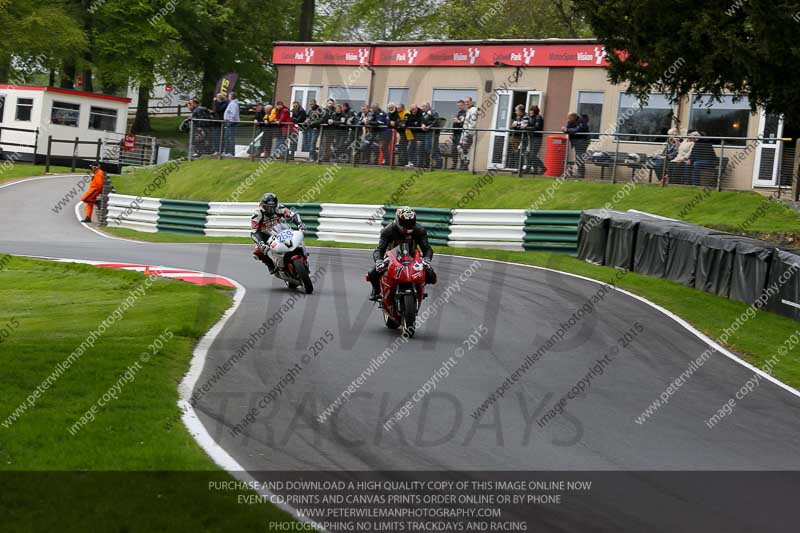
x=520 y=308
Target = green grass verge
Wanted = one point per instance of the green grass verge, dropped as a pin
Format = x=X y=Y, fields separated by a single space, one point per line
x=757 y=341
x=27 y=170
x=211 y=180
x=137 y=475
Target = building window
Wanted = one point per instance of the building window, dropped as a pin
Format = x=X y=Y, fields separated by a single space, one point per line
x=397 y=95
x=65 y=114
x=590 y=104
x=102 y=118
x=724 y=118
x=445 y=101
x=355 y=96
x=651 y=118
x=24 y=109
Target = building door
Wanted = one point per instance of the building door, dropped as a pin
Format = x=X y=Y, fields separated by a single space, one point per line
x=501 y=153
x=768 y=151
x=303 y=95
x=500 y=122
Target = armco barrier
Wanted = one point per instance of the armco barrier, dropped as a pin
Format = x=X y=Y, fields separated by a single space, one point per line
x=552 y=231
x=510 y=229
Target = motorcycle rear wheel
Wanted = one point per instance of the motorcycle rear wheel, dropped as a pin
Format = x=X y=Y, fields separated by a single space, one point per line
x=302 y=273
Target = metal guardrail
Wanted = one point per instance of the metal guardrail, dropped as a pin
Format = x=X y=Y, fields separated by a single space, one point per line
x=612 y=157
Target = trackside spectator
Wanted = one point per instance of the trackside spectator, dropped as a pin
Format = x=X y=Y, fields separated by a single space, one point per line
x=202 y=128
x=704 y=160
x=95 y=188
x=299 y=117
x=283 y=121
x=327 y=132
x=578 y=132
x=535 y=128
x=220 y=103
x=381 y=135
x=404 y=135
x=467 y=133
x=312 y=130
x=430 y=136
x=517 y=142
x=231 y=123
x=414 y=135
x=458 y=130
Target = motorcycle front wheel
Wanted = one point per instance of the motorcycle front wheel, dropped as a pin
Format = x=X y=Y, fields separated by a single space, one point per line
x=301 y=271
x=409 y=314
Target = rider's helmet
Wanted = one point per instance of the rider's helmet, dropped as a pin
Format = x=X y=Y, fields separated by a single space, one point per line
x=269 y=204
x=406 y=219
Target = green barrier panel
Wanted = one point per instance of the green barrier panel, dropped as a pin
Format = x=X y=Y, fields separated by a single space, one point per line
x=552 y=218
x=566 y=230
x=554 y=247
x=184 y=206
x=182 y=216
x=551 y=237
x=426 y=215
x=180 y=228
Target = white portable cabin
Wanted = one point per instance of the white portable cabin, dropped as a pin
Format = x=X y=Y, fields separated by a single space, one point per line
x=63 y=114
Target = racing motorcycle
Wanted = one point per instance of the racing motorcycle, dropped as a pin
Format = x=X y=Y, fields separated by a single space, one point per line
x=286 y=249
x=402 y=288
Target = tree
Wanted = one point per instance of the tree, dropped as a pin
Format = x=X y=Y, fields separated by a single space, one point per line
x=712 y=47
x=306 y=30
x=388 y=20
x=222 y=37
x=132 y=44
x=32 y=43
x=512 y=19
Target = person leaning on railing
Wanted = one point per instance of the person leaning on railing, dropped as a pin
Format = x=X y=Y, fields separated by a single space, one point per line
x=299 y=117
x=430 y=137
x=517 y=143
x=534 y=139
x=413 y=123
x=578 y=132
x=458 y=130
x=328 y=119
x=312 y=129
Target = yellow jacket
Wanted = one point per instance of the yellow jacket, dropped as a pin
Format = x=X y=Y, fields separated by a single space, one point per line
x=402 y=115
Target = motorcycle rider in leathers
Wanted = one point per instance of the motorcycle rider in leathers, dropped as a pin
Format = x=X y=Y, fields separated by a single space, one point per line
x=403 y=229
x=269 y=214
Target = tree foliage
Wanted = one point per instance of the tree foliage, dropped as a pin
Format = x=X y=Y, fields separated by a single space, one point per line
x=713 y=47
x=370 y=20
x=512 y=19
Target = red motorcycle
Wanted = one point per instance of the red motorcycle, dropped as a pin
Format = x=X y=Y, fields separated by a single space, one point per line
x=402 y=288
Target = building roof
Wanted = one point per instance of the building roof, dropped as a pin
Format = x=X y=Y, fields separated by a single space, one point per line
x=71 y=92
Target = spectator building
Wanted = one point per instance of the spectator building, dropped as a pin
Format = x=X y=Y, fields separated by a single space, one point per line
x=31 y=114
x=558 y=75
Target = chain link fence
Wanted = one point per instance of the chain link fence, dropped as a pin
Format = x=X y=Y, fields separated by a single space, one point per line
x=714 y=162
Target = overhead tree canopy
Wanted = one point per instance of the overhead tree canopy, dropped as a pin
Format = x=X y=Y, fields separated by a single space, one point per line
x=712 y=47
x=512 y=19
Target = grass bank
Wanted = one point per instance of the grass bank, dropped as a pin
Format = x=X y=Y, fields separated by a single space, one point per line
x=9 y=172
x=122 y=471
x=212 y=180
x=756 y=341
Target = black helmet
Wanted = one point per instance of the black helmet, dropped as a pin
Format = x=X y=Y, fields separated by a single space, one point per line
x=406 y=219
x=269 y=203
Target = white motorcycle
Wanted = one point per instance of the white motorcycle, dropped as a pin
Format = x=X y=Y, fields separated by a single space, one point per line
x=286 y=249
